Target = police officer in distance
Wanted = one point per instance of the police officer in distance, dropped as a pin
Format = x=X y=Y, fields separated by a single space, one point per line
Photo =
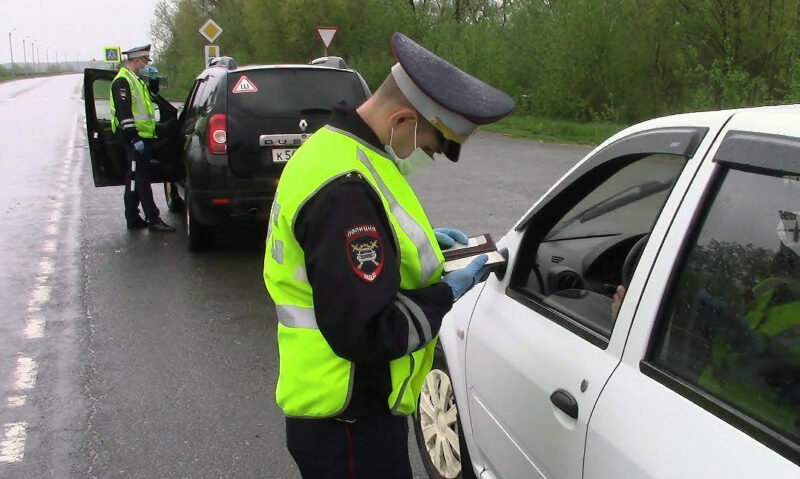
x=133 y=119
x=355 y=269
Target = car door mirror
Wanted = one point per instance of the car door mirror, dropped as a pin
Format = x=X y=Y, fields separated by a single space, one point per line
x=499 y=269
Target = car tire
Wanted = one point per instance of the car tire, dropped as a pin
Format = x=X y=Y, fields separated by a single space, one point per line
x=200 y=236
x=443 y=456
x=174 y=201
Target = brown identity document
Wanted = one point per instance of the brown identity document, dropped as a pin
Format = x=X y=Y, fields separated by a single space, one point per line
x=460 y=255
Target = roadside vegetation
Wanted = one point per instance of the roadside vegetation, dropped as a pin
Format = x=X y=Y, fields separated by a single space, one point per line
x=577 y=69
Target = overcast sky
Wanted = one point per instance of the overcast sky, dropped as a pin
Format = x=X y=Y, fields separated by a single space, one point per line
x=73 y=27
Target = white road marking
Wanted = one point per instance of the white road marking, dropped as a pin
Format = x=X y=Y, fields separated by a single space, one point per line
x=55 y=216
x=25 y=375
x=46 y=266
x=49 y=246
x=12 y=447
x=40 y=294
x=34 y=328
x=15 y=401
x=52 y=229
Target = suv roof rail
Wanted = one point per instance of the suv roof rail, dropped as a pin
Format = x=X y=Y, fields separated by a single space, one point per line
x=224 y=62
x=333 y=62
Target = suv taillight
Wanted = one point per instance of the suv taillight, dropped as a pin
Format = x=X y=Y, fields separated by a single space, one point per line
x=218 y=134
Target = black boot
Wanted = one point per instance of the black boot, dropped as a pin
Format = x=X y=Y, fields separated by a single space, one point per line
x=159 y=225
x=137 y=223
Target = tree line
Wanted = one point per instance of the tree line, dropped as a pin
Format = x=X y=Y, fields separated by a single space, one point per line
x=584 y=60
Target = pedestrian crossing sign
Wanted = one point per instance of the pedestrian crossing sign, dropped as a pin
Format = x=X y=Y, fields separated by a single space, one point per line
x=111 y=55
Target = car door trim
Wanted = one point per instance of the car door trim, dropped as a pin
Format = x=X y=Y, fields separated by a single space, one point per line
x=776 y=154
x=676 y=141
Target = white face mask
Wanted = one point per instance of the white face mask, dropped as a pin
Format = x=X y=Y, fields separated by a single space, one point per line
x=417 y=161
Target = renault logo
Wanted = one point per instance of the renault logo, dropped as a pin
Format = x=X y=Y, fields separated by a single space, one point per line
x=303 y=124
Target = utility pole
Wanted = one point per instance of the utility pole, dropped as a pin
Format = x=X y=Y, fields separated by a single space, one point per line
x=24 y=55
x=11 y=48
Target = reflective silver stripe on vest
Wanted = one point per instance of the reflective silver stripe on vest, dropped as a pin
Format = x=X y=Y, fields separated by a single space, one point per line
x=274 y=210
x=277 y=251
x=296 y=317
x=413 y=336
x=138 y=115
x=414 y=308
x=405 y=384
x=427 y=257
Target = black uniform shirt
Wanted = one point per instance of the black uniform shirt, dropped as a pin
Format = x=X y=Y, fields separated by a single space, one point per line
x=121 y=91
x=352 y=265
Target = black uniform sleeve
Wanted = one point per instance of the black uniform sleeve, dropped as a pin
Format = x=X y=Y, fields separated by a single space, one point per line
x=364 y=318
x=121 y=91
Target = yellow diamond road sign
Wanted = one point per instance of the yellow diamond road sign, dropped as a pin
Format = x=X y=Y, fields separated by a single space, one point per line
x=210 y=30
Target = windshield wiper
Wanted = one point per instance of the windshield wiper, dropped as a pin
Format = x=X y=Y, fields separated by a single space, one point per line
x=624 y=197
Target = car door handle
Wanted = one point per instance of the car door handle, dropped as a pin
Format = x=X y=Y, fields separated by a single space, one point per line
x=566 y=402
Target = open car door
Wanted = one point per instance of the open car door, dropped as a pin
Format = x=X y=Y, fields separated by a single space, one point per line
x=106 y=149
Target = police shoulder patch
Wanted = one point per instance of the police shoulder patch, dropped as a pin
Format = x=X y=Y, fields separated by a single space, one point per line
x=123 y=93
x=365 y=251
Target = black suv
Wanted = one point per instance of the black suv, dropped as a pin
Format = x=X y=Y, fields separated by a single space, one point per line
x=223 y=156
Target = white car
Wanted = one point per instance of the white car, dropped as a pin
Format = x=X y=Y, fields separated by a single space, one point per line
x=696 y=374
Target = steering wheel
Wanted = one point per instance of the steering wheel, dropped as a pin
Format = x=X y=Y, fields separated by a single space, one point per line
x=633 y=257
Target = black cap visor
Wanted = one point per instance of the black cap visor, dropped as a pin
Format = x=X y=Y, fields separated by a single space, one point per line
x=451 y=149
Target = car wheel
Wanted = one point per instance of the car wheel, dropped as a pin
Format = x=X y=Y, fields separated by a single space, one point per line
x=437 y=426
x=174 y=201
x=201 y=236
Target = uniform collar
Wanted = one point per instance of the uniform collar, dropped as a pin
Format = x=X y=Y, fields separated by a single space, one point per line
x=346 y=118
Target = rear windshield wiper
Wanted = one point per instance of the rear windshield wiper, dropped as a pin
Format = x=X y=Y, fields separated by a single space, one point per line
x=316 y=111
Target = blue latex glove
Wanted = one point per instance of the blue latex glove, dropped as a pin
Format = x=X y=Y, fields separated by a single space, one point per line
x=139 y=146
x=461 y=280
x=447 y=237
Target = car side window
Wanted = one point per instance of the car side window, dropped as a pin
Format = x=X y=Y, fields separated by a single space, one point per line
x=730 y=326
x=102 y=98
x=586 y=242
x=194 y=106
x=209 y=94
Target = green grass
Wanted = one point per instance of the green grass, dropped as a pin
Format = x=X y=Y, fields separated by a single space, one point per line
x=555 y=131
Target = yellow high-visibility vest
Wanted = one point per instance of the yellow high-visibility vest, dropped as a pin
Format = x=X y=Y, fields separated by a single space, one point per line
x=313 y=381
x=144 y=114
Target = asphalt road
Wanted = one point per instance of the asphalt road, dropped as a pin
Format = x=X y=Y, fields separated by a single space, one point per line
x=122 y=355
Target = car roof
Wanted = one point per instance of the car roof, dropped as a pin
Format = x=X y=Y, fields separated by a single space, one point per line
x=294 y=66
x=701 y=118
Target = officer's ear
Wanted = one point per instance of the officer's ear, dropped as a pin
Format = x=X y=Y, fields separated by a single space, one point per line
x=403 y=116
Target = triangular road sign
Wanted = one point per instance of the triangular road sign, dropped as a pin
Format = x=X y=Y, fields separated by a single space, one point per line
x=326 y=34
x=244 y=85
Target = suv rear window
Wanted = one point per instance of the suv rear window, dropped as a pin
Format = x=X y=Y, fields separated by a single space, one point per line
x=287 y=91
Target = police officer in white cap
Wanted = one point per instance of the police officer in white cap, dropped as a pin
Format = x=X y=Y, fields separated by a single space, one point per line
x=133 y=119
x=355 y=268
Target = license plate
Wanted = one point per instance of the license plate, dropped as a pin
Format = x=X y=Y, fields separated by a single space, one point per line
x=282 y=155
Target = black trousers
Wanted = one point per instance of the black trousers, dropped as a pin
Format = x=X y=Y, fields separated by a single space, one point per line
x=370 y=448
x=137 y=182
